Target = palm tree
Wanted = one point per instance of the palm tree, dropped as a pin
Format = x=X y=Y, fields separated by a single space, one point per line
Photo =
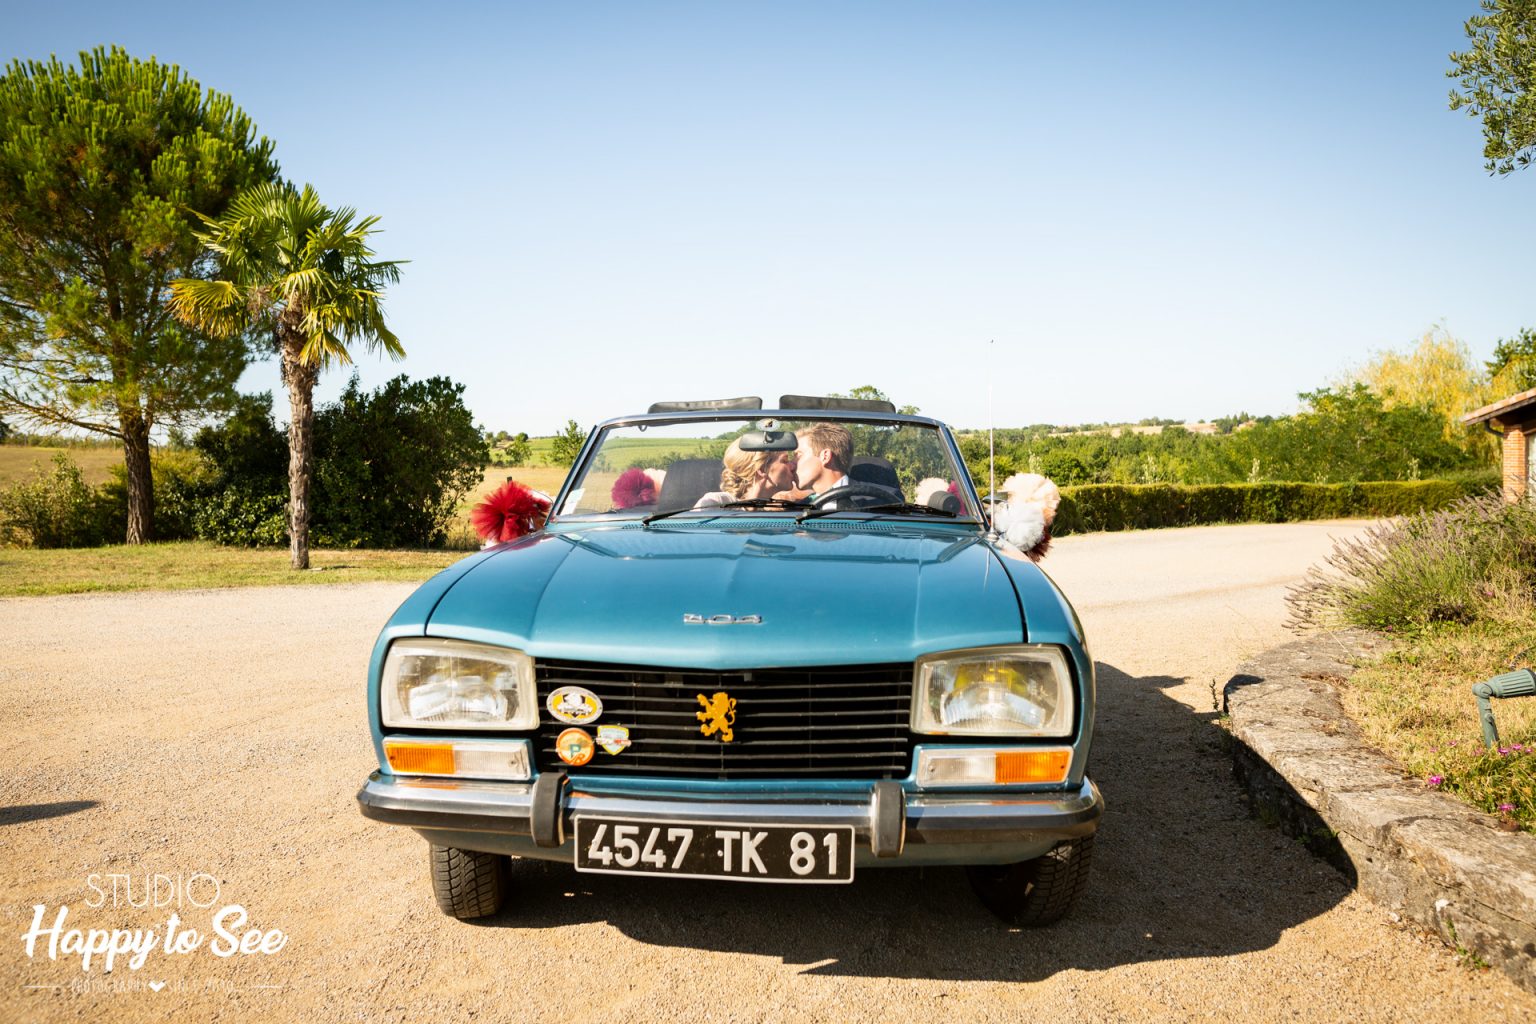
x=290 y=264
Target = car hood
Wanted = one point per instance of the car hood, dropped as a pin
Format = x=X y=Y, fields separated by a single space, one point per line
x=871 y=592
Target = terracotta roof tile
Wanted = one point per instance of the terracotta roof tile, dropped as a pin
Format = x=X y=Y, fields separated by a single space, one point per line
x=1509 y=404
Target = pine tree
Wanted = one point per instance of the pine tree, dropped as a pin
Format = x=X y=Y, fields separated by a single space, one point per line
x=101 y=168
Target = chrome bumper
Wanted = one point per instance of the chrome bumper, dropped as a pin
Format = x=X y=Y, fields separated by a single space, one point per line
x=888 y=821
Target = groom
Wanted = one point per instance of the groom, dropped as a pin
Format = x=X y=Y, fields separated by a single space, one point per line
x=825 y=453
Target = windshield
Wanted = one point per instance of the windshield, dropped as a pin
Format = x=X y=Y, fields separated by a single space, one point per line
x=738 y=466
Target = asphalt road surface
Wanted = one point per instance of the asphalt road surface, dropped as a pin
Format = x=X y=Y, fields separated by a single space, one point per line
x=205 y=747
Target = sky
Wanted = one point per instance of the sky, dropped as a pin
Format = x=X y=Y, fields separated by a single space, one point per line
x=1072 y=213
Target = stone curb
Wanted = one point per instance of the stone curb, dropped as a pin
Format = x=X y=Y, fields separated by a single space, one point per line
x=1424 y=855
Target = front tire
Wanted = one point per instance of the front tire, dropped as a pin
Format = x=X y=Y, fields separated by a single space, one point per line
x=467 y=884
x=1038 y=892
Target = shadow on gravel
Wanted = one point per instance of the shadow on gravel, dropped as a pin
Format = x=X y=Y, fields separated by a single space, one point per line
x=1180 y=870
x=18 y=813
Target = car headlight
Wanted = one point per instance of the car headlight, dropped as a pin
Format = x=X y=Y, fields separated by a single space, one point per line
x=454 y=684
x=1019 y=690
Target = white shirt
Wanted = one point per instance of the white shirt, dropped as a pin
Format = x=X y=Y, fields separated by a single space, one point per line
x=843 y=482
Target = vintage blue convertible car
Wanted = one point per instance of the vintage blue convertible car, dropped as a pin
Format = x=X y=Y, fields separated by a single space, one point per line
x=757 y=645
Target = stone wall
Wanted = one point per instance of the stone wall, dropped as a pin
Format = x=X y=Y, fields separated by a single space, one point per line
x=1428 y=857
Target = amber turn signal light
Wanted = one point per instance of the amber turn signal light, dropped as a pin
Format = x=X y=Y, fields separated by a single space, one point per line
x=1031 y=765
x=420 y=758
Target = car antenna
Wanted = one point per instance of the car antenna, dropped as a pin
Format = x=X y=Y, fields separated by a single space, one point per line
x=991 y=447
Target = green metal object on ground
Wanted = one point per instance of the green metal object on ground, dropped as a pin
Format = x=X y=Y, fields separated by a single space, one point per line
x=1510 y=684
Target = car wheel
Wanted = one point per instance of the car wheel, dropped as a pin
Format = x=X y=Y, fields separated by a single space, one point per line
x=468 y=884
x=1035 y=892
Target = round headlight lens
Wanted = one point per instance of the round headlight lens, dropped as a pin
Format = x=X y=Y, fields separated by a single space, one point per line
x=454 y=684
x=1014 y=691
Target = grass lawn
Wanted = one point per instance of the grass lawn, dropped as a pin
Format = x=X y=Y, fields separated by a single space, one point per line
x=185 y=565
x=19 y=462
x=1416 y=704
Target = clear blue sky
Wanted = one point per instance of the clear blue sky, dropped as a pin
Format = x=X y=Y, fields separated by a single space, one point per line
x=1154 y=209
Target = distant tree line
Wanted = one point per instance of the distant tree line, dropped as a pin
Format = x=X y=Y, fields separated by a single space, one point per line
x=1342 y=435
x=1398 y=417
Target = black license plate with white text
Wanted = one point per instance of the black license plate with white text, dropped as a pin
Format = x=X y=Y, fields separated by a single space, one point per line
x=747 y=853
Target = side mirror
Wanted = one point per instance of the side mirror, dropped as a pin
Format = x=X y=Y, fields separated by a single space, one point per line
x=987 y=502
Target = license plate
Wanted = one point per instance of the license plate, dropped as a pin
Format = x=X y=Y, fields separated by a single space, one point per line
x=745 y=853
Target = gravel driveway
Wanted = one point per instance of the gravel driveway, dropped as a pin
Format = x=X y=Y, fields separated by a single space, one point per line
x=211 y=743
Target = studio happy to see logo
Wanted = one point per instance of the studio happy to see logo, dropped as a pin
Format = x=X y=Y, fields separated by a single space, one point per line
x=196 y=919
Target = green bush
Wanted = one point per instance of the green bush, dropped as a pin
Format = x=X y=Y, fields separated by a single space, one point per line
x=179 y=482
x=392 y=466
x=247 y=449
x=242 y=518
x=241 y=496
x=1095 y=507
x=56 y=509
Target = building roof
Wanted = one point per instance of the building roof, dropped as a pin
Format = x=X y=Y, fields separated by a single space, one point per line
x=1513 y=403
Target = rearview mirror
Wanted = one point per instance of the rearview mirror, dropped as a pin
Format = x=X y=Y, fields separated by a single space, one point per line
x=768 y=441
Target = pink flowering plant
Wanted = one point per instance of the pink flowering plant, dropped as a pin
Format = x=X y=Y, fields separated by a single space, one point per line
x=1501 y=782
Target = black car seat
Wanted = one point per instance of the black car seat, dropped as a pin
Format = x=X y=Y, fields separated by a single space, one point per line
x=871 y=469
x=687 y=481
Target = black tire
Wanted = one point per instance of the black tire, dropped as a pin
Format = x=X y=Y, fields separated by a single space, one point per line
x=1035 y=892
x=467 y=884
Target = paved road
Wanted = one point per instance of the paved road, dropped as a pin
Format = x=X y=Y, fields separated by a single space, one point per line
x=223 y=733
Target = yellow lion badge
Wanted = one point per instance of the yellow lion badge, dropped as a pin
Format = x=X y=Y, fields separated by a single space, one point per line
x=718 y=716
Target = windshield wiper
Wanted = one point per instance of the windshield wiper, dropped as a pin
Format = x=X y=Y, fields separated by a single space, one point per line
x=908 y=508
x=649 y=519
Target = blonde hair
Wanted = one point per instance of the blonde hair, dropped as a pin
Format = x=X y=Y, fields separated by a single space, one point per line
x=741 y=468
x=829 y=435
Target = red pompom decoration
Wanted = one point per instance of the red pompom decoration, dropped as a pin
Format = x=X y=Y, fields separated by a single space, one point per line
x=633 y=487
x=509 y=512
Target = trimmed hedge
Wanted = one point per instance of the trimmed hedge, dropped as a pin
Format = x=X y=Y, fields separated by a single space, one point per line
x=1094 y=507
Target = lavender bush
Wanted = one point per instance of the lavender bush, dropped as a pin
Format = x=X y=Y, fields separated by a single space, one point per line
x=1460 y=564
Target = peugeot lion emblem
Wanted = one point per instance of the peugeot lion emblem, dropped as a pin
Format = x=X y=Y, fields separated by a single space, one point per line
x=718 y=716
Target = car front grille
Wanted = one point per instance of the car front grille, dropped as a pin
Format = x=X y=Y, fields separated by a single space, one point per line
x=831 y=722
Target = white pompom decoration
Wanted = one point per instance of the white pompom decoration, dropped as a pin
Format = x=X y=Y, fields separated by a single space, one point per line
x=1023 y=521
x=1025 y=488
x=1022 y=524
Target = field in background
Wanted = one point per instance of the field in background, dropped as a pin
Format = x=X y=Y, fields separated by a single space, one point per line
x=17 y=462
x=541 y=478
x=539 y=448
